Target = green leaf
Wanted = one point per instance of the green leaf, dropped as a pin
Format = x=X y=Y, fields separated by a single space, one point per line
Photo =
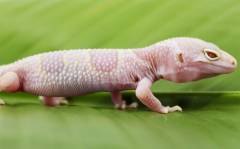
x=209 y=120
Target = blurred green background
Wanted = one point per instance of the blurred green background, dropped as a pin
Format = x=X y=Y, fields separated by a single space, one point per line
x=210 y=120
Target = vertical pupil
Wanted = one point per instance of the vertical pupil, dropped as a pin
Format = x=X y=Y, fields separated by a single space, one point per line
x=211 y=54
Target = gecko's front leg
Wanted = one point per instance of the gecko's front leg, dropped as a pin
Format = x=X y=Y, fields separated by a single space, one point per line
x=53 y=101
x=119 y=103
x=145 y=95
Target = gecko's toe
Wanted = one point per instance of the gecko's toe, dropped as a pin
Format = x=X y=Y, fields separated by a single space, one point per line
x=63 y=101
x=175 y=108
x=41 y=98
x=2 y=102
x=133 y=105
x=120 y=106
x=124 y=105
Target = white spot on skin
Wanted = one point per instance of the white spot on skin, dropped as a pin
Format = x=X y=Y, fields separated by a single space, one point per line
x=78 y=76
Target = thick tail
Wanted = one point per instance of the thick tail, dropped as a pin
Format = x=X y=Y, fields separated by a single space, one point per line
x=9 y=78
x=8 y=68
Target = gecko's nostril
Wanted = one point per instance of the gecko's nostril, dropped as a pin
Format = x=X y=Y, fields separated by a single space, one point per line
x=234 y=62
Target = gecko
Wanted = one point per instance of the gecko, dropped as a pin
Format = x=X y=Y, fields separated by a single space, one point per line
x=55 y=75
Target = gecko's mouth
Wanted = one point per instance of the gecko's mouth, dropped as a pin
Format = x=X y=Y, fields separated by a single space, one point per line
x=220 y=69
x=214 y=68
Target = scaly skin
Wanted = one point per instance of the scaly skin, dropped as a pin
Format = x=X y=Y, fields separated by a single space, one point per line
x=59 y=74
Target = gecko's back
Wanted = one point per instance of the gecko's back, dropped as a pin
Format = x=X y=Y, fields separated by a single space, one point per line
x=76 y=72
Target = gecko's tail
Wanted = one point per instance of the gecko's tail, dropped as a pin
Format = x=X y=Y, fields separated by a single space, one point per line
x=9 y=78
x=7 y=68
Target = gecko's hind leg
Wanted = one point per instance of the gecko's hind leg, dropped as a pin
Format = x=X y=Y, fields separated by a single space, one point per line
x=53 y=101
x=119 y=103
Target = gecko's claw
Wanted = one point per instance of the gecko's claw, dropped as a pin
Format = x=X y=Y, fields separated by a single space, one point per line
x=174 y=108
x=53 y=101
x=168 y=109
x=64 y=102
x=133 y=105
x=2 y=102
x=41 y=98
x=124 y=106
x=120 y=106
x=120 y=103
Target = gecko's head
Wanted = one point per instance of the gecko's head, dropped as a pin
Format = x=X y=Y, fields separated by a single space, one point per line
x=199 y=59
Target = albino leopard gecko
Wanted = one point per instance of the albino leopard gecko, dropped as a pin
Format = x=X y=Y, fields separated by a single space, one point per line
x=60 y=74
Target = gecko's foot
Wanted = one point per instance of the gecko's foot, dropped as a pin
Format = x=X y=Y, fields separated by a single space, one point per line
x=63 y=101
x=2 y=102
x=124 y=105
x=120 y=103
x=53 y=101
x=171 y=109
x=133 y=105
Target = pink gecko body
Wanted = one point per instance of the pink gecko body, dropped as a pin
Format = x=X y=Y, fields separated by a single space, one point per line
x=59 y=74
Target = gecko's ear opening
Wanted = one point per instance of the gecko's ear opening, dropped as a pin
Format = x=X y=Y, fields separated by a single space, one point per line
x=180 y=57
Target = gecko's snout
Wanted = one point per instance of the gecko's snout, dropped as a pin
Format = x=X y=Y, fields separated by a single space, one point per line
x=234 y=63
x=231 y=63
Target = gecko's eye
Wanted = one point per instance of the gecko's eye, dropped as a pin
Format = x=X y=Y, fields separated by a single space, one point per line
x=211 y=54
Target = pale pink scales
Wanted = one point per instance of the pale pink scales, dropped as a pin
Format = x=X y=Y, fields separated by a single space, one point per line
x=76 y=72
x=104 y=61
x=52 y=63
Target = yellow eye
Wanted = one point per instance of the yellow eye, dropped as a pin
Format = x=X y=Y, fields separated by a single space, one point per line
x=211 y=55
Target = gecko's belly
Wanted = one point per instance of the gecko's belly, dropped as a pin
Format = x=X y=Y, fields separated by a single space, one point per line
x=65 y=84
x=75 y=89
